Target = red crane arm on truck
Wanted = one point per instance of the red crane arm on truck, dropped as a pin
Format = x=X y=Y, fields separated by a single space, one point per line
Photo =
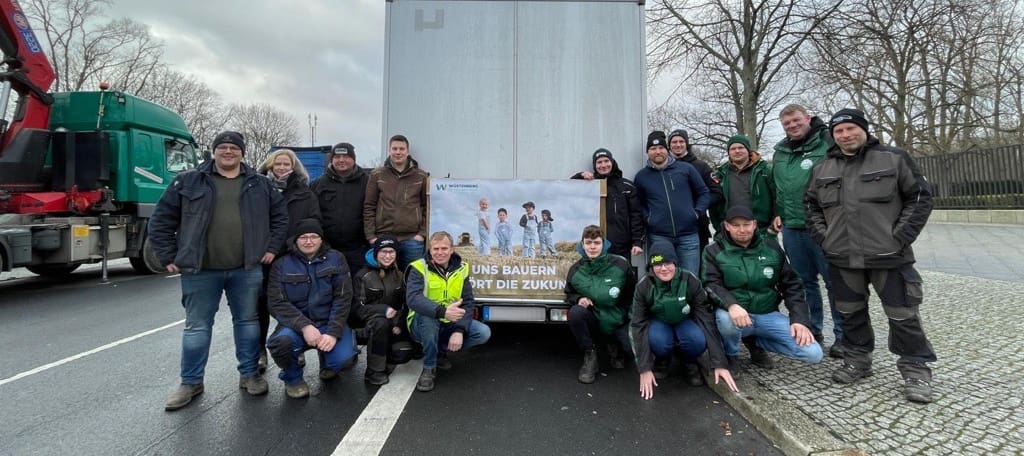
x=28 y=71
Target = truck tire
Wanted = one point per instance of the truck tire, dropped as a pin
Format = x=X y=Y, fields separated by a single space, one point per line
x=53 y=270
x=147 y=262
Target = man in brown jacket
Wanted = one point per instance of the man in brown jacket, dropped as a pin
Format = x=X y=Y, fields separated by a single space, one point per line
x=396 y=202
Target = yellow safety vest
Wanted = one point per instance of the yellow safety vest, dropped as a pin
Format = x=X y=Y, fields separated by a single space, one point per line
x=439 y=289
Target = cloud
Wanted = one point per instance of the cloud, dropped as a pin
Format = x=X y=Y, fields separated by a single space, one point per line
x=316 y=56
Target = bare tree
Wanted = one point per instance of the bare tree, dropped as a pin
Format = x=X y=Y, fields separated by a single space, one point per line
x=739 y=49
x=263 y=126
x=85 y=47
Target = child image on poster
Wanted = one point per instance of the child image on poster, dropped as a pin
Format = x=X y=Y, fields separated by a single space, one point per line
x=504 y=233
x=545 y=230
x=484 y=228
x=529 y=221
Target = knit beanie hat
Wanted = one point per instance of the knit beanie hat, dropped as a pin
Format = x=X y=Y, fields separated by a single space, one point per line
x=679 y=132
x=344 y=148
x=661 y=255
x=384 y=241
x=656 y=138
x=602 y=152
x=230 y=137
x=738 y=139
x=309 y=226
x=848 y=115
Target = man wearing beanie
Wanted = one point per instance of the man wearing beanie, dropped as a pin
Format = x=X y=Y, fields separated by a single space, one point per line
x=216 y=225
x=396 y=202
x=679 y=145
x=672 y=195
x=807 y=140
x=866 y=204
x=622 y=209
x=310 y=312
x=341 y=191
x=746 y=181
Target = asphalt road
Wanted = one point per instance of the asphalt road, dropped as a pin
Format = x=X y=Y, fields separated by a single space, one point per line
x=87 y=366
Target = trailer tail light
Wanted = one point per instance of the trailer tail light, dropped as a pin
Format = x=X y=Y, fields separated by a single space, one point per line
x=558 y=314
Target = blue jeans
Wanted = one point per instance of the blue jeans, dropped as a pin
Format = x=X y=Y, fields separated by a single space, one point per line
x=431 y=333
x=808 y=260
x=409 y=250
x=772 y=332
x=200 y=295
x=687 y=248
x=686 y=335
x=333 y=360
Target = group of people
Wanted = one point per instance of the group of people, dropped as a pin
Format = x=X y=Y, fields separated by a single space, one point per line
x=535 y=229
x=848 y=209
x=337 y=262
x=347 y=260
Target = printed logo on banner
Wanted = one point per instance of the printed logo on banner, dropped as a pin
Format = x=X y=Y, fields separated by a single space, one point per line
x=457 y=187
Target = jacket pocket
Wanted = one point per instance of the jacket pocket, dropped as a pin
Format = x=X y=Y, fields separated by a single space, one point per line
x=878 y=186
x=829 y=189
x=192 y=201
x=296 y=287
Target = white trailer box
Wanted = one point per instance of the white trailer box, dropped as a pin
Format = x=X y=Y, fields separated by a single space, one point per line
x=492 y=90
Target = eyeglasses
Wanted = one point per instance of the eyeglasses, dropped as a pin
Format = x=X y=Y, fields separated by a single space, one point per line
x=309 y=238
x=662 y=265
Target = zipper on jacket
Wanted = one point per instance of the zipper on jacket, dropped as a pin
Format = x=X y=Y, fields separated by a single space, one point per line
x=668 y=198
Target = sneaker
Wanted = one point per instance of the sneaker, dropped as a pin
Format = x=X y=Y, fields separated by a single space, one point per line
x=588 y=371
x=661 y=368
x=327 y=375
x=692 y=374
x=917 y=390
x=298 y=390
x=426 y=380
x=836 y=351
x=443 y=362
x=261 y=365
x=848 y=373
x=254 y=385
x=376 y=378
x=182 y=396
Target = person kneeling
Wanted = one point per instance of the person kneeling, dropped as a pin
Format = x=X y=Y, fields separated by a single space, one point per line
x=599 y=288
x=440 y=298
x=747 y=276
x=672 y=311
x=310 y=294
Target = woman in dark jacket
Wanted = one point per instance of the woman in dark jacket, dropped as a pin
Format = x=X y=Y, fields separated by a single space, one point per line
x=289 y=177
x=379 y=307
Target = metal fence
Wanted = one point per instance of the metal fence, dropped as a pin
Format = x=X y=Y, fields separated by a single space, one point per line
x=977 y=179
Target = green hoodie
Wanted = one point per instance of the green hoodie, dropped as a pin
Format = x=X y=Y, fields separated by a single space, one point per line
x=762 y=194
x=791 y=170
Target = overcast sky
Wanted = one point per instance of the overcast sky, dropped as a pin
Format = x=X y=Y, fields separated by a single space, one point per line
x=311 y=56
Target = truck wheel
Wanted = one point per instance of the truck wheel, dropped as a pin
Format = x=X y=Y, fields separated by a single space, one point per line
x=52 y=270
x=146 y=262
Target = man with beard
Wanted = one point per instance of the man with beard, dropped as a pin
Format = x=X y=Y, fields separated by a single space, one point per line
x=747 y=182
x=340 y=192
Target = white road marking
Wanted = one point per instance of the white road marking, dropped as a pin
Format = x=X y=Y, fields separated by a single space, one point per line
x=172 y=276
x=84 y=354
x=371 y=430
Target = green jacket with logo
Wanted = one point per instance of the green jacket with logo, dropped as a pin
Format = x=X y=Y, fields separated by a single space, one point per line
x=756 y=277
x=672 y=302
x=762 y=194
x=608 y=281
x=791 y=170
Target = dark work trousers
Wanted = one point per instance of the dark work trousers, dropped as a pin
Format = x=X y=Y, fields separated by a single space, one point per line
x=901 y=294
x=585 y=327
x=263 y=309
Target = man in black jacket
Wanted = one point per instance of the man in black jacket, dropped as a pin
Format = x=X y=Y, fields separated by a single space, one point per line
x=679 y=145
x=340 y=192
x=216 y=225
x=866 y=203
x=622 y=209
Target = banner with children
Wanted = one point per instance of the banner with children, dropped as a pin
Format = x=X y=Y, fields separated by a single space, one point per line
x=519 y=236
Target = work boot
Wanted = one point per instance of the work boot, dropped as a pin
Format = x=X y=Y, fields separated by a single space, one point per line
x=328 y=375
x=375 y=377
x=692 y=374
x=917 y=390
x=758 y=356
x=836 y=351
x=426 y=380
x=298 y=390
x=443 y=362
x=588 y=372
x=615 y=357
x=848 y=373
x=734 y=365
x=261 y=365
x=182 y=396
x=661 y=368
x=254 y=385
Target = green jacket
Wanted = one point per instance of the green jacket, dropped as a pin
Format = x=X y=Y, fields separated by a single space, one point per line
x=792 y=169
x=756 y=277
x=608 y=281
x=762 y=194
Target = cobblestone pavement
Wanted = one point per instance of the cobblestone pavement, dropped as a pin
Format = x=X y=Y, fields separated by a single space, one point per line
x=975 y=326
